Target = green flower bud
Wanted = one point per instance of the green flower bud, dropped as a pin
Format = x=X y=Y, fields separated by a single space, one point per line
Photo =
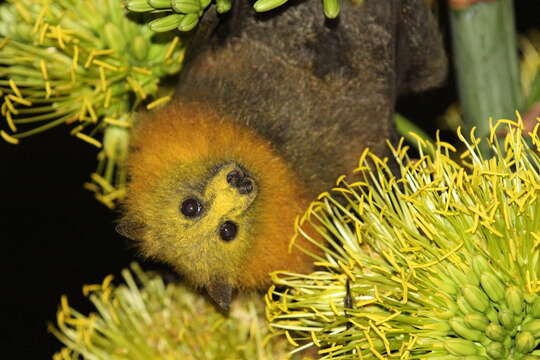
x=24 y=31
x=166 y=23
x=492 y=286
x=480 y=265
x=496 y=350
x=525 y=342
x=160 y=4
x=139 y=48
x=533 y=327
x=451 y=306
x=514 y=299
x=113 y=36
x=444 y=315
x=439 y=326
x=138 y=6
x=188 y=22
x=492 y=315
x=95 y=22
x=186 y=6
x=529 y=298
x=116 y=142
x=205 y=3
x=535 y=308
x=460 y=328
x=445 y=285
x=464 y=305
x=506 y=318
x=156 y=53
x=222 y=6
x=460 y=347
x=495 y=332
x=267 y=5
x=457 y=275
x=476 y=297
x=331 y=8
x=476 y=321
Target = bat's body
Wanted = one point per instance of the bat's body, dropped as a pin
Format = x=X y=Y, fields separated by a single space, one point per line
x=269 y=111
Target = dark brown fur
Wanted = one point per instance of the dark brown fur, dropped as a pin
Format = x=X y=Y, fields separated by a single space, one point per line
x=320 y=90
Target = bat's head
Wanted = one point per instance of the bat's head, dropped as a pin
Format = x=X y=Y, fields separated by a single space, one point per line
x=200 y=220
x=213 y=199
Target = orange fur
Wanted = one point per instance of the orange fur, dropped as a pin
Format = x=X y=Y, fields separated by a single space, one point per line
x=192 y=134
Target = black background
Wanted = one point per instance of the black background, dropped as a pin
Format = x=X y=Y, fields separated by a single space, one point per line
x=58 y=237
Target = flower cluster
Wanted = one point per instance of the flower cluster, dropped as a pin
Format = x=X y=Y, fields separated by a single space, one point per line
x=148 y=319
x=184 y=15
x=81 y=63
x=438 y=262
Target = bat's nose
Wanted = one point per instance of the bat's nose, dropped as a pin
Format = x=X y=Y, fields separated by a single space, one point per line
x=246 y=186
x=241 y=181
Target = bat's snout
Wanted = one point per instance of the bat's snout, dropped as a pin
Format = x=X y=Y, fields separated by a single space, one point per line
x=241 y=181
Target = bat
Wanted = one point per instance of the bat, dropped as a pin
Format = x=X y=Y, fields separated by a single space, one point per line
x=269 y=110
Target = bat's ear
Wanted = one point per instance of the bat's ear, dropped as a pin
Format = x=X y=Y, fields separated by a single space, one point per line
x=221 y=292
x=133 y=230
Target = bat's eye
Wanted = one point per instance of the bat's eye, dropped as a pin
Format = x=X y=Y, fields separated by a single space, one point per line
x=228 y=230
x=191 y=208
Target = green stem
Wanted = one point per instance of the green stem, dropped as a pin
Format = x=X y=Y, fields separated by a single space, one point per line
x=534 y=94
x=43 y=117
x=487 y=68
x=42 y=128
x=405 y=127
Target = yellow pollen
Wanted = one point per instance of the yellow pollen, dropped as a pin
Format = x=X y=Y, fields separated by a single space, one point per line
x=330 y=349
x=10 y=122
x=315 y=340
x=105 y=65
x=171 y=48
x=142 y=70
x=8 y=138
x=87 y=289
x=290 y=339
x=161 y=101
x=116 y=122
x=108 y=96
x=20 y=100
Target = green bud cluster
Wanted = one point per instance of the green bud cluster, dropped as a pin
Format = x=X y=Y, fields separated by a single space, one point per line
x=145 y=318
x=184 y=15
x=82 y=63
x=440 y=263
x=493 y=318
